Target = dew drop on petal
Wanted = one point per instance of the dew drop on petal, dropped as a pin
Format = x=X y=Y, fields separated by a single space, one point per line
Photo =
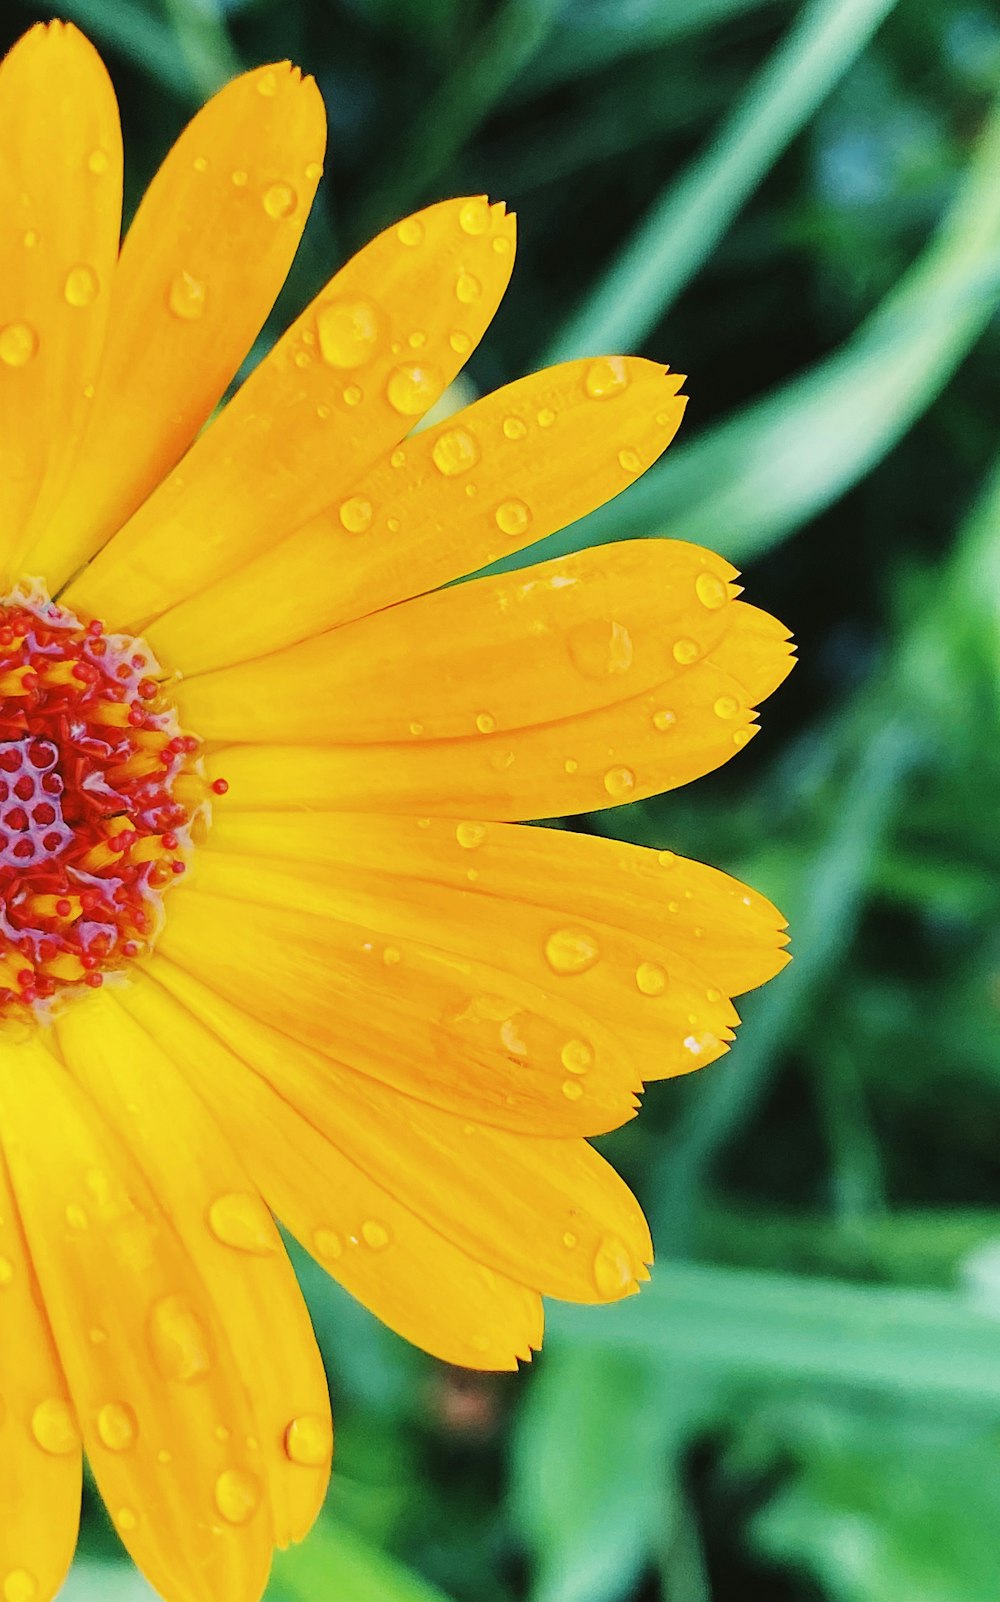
x=474 y=217
x=375 y=1235
x=727 y=706
x=309 y=1441
x=514 y=428
x=186 y=297
x=666 y=859
x=97 y=162
x=237 y=1495
x=353 y=395
x=348 y=332
x=630 y=461
x=711 y=591
x=328 y=1244
x=572 y=1089
x=686 y=652
x=410 y=231
x=651 y=978
x=460 y=342
x=664 y=719
x=18 y=344
x=242 y=1221
x=200 y=164
x=279 y=201
x=467 y=288
x=267 y=85
x=54 y=1427
x=470 y=835
x=570 y=951
x=513 y=517
x=455 y=452
x=82 y=286
x=116 y=1426
x=126 y=1519
x=413 y=389
x=600 y=647
x=241 y=178
x=607 y=376
x=178 y=1340
x=356 y=514
x=613 y=1273
x=546 y=417
x=577 y=1056
x=6 y=1271
x=741 y=736
x=619 y=782
x=569 y=1240
x=20 y=1586
x=485 y=722
x=314 y=171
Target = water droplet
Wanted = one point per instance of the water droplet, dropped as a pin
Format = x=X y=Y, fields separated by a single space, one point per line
x=741 y=736
x=353 y=395
x=348 y=332
x=240 y=178
x=569 y=1240
x=6 y=1271
x=607 y=376
x=356 y=514
x=666 y=859
x=186 y=297
x=664 y=720
x=619 y=782
x=416 y=728
x=577 y=1056
x=686 y=652
x=54 y=1427
x=727 y=706
x=417 y=340
x=460 y=342
x=267 y=85
x=485 y=722
x=279 y=201
x=82 y=286
x=467 y=288
x=546 y=417
x=455 y=451
x=514 y=428
x=242 y=1221
x=600 y=647
x=164 y=1457
x=391 y=956
x=237 y=1495
x=513 y=517
x=302 y=358
x=375 y=1235
x=474 y=217
x=116 y=1426
x=501 y=245
x=328 y=1244
x=572 y=1089
x=30 y=239
x=314 y=171
x=126 y=1519
x=179 y=1340
x=569 y=951
x=200 y=164
x=18 y=344
x=20 y=1586
x=711 y=591
x=630 y=461
x=612 y=1268
x=410 y=231
x=651 y=978
x=97 y=162
x=413 y=389
x=713 y=996
x=470 y=835
x=309 y=1440
x=76 y=1218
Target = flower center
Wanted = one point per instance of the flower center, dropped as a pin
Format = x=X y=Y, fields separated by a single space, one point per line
x=99 y=792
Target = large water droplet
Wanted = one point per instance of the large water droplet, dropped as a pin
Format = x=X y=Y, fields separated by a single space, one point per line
x=279 y=201
x=54 y=1427
x=619 y=782
x=375 y=1235
x=455 y=451
x=413 y=388
x=474 y=217
x=686 y=652
x=116 y=1426
x=711 y=591
x=82 y=286
x=612 y=1268
x=18 y=344
x=577 y=1056
x=467 y=288
x=237 y=1495
x=242 y=1221
x=348 y=332
x=600 y=647
x=356 y=514
x=309 y=1440
x=727 y=707
x=607 y=376
x=178 y=1340
x=186 y=297
x=470 y=835
x=513 y=517
x=569 y=951
x=651 y=978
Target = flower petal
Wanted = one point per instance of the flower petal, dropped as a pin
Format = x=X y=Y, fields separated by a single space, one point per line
x=164 y=1415
x=229 y=1234
x=514 y=467
x=60 y=204
x=40 y=1456
x=204 y=259
x=426 y=1289
x=350 y=377
x=507 y=1201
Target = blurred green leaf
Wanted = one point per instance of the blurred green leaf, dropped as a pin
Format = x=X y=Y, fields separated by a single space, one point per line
x=335 y=1565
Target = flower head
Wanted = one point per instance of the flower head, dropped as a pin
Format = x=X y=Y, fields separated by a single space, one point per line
x=352 y=992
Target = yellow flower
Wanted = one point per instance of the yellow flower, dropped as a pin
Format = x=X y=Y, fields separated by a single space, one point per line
x=350 y=992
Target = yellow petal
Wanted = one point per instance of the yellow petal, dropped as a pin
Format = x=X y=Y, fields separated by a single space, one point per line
x=165 y=1418
x=511 y=469
x=40 y=1456
x=60 y=204
x=343 y=385
x=230 y=1237
x=425 y=1288
x=204 y=259
x=506 y=1200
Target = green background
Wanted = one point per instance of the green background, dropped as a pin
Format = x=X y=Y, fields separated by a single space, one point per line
x=799 y=206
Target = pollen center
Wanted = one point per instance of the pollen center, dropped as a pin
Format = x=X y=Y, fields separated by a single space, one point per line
x=99 y=791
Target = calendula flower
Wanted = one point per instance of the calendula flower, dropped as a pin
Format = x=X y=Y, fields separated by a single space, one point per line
x=272 y=943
